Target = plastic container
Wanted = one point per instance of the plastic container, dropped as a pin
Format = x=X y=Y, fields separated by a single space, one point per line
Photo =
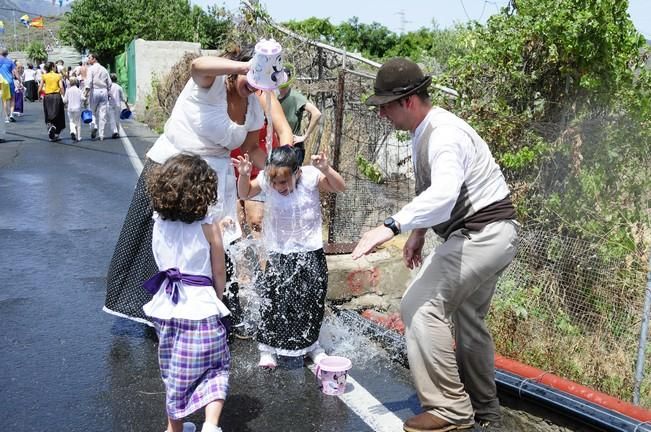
x=125 y=114
x=332 y=372
x=266 y=71
x=87 y=116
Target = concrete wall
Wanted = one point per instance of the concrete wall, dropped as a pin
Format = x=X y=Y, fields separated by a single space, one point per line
x=155 y=59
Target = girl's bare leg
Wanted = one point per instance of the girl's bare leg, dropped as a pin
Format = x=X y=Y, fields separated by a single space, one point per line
x=174 y=425
x=214 y=411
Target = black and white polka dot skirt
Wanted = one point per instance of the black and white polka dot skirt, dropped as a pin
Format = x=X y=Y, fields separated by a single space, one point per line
x=133 y=260
x=293 y=301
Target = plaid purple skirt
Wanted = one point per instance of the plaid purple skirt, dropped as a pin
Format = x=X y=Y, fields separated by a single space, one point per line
x=194 y=362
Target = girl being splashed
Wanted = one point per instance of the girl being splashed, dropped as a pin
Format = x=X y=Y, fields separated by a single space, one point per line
x=296 y=275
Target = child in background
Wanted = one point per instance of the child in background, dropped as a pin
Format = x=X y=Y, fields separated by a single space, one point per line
x=296 y=275
x=19 y=94
x=116 y=97
x=186 y=309
x=72 y=99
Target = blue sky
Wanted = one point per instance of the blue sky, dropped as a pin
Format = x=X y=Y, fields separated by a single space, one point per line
x=406 y=15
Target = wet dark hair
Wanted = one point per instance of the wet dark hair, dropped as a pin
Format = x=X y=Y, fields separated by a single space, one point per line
x=113 y=76
x=182 y=188
x=49 y=67
x=282 y=161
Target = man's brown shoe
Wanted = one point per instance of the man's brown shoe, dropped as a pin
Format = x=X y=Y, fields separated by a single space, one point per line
x=426 y=422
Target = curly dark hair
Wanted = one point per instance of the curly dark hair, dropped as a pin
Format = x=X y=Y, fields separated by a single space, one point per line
x=182 y=188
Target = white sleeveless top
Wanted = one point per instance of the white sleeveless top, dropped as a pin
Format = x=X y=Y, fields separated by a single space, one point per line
x=184 y=246
x=293 y=223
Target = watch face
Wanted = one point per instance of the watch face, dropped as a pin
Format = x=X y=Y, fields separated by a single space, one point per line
x=388 y=221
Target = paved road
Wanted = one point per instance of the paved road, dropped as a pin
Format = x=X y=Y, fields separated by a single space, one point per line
x=66 y=365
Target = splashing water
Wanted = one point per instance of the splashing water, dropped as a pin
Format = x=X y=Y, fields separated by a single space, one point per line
x=248 y=256
x=340 y=339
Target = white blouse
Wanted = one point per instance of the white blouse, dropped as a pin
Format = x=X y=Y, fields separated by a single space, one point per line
x=200 y=123
x=184 y=246
x=293 y=223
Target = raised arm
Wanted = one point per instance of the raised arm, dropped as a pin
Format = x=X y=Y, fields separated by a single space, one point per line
x=205 y=69
x=329 y=180
x=246 y=188
x=278 y=119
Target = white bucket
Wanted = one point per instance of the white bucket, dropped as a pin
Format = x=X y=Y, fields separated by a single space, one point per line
x=332 y=372
x=266 y=72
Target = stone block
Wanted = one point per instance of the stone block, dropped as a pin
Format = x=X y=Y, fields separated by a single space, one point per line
x=382 y=273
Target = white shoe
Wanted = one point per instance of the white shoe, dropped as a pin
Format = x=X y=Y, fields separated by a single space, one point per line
x=188 y=427
x=267 y=360
x=209 y=427
x=317 y=355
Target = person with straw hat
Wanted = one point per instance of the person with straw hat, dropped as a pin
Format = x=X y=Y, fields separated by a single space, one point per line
x=463 y=196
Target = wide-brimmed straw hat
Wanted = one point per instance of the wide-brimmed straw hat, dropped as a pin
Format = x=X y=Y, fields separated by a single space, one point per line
x=397 y=78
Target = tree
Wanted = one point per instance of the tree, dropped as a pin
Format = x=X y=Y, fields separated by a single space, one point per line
x=36 y=52
x=106 y=26
x=377 y=42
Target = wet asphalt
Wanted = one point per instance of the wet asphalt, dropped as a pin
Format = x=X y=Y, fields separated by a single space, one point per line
x=67 y=366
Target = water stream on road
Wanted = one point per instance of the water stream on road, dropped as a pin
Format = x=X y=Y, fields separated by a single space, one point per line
x=336 y=336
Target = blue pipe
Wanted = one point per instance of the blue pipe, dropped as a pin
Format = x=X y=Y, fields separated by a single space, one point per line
x=571 y=406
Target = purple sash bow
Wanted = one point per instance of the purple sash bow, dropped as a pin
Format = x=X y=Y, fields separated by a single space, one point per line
x=171 y=279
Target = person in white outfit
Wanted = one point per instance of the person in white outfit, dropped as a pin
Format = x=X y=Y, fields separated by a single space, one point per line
x=98 y=85
x=116 y=97
x=72 y=99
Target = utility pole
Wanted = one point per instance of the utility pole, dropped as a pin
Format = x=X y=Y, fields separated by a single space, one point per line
x=403 y=20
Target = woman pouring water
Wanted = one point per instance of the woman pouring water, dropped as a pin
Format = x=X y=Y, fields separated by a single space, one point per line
x=217 y=111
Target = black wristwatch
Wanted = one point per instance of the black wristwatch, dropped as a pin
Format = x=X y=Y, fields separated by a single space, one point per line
x=392 y=225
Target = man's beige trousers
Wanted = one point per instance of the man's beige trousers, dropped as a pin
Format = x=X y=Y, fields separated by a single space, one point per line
x=455 y=285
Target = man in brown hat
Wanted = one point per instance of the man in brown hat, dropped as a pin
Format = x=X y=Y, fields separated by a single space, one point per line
x=462 y=195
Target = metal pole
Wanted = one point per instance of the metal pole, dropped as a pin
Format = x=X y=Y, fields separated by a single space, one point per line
x=339 y=122
x=644 y=338
x=13 y=12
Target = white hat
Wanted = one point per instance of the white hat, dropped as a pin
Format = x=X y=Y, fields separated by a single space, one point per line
x=266 y=72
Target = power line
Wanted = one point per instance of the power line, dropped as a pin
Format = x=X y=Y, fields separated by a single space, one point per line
x=483 y=10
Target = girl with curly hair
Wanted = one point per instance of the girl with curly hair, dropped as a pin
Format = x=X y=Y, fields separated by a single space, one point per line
x=186 y=307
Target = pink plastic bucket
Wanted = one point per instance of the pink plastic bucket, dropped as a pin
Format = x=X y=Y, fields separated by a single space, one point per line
x=332 y=372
